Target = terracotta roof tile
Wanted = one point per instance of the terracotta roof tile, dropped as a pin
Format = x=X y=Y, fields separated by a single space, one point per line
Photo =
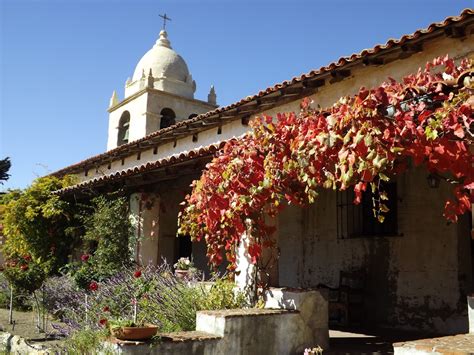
x=146 y=167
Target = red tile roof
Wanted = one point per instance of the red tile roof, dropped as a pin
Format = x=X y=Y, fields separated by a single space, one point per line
x=362 y=57
x=147 y=167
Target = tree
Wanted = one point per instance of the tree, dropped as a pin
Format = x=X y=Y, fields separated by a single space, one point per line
x=5 y=165
x=39 y=229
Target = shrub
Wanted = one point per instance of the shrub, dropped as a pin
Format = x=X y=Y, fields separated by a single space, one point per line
x=39 y=231
x=110 y=229
x=107 y=238
x=85 y=342
x=21 y=300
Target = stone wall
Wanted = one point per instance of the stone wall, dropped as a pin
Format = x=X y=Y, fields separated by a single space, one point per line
x=417 y=279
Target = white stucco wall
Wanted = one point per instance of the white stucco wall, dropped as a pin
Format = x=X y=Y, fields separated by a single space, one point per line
x=145 y=111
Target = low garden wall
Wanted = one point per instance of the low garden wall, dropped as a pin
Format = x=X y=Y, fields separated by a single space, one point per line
x=291 y=321
x=14 y=344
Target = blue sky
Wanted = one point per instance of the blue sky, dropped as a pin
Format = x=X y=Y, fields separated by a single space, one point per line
x=60 y=60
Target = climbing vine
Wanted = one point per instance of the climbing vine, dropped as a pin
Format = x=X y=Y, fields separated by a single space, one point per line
x=424 y=120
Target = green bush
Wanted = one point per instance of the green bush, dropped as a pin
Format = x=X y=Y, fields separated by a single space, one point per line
x=222 y=295
x=39 y=230
x=21 y=299
x=26 y=277
x=85 y=342
x=111 y=230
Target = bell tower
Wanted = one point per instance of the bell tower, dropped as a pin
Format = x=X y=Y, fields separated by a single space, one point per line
x=159 y=94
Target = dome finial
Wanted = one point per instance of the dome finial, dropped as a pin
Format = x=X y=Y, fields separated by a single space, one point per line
x=163 y=40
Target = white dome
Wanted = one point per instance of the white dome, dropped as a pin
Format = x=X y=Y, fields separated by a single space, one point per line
x=163 y=61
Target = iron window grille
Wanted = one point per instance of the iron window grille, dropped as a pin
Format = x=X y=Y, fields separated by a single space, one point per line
x=354 y=221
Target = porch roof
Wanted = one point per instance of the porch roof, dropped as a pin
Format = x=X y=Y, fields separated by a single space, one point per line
x=156 y=167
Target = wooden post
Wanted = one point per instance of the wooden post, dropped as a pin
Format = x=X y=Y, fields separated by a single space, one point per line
x=87 y=309
x=10 y=313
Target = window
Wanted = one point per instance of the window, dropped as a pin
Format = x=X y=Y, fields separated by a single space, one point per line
x=192 y=115
x=358 y=220
x=167 y=118
x=123 y=128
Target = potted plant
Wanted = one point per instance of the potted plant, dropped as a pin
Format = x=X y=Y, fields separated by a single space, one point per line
x=126 y=329
x=184 y=268
x=134 y=329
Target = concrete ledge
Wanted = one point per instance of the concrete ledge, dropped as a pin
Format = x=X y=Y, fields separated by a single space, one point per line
x=298 y=320
x=247 y=312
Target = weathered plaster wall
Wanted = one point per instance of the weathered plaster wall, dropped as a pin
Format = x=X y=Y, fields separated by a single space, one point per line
x=412 y=280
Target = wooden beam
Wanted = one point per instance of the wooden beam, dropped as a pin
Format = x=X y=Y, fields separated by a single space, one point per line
x=313 y=83
x=339 y=74
x=373 y=60
x=455 y=31
x=412 y=47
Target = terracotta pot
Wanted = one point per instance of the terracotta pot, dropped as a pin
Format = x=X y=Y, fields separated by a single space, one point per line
x=135 y=333
x=182 y=274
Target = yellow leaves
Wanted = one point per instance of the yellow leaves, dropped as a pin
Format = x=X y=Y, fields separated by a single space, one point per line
x=383 y=177
x=383 y=208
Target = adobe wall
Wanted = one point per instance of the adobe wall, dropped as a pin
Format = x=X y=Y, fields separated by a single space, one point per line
x=417 y=280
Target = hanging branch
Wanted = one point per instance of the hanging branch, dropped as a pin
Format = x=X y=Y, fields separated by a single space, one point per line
x=424 y=120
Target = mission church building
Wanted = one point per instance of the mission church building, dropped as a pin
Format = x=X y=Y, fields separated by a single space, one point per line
x=412 y=273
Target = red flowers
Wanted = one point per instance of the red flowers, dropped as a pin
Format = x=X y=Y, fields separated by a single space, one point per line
x=85 y=257
x=106 y=309
x=24 y=267
x=137 y=274
x=93 y=286
x=103 y=321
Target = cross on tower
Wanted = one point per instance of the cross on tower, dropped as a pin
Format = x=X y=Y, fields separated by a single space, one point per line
x=165 y=18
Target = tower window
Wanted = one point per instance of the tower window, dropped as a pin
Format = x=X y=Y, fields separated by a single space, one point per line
x=123 y=128
x=192 y=115
x=168 y=118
